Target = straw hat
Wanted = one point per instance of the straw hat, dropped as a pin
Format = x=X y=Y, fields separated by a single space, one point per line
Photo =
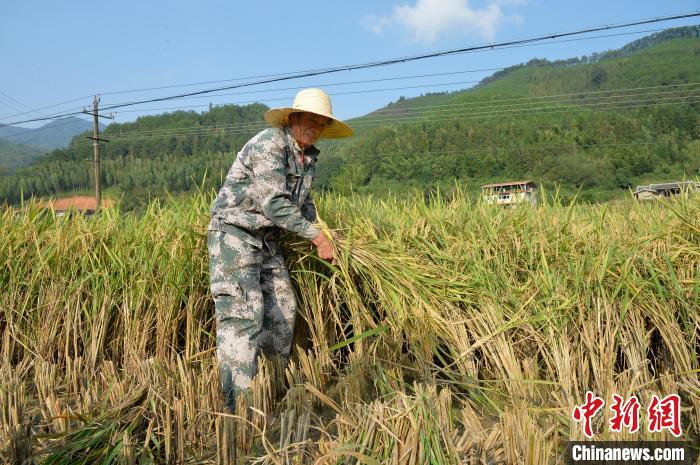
x=311 y=100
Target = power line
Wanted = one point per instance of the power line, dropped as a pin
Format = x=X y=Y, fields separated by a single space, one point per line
x=492 y=149
x=353 y=92
x=292 y=88
x=464 y=116
x=323 y=69
x=45 y=107
x=24 y=105
x=20 y=151
x=416 y=58
x=376 y=64
x=507 y=108
x=8 y=105
x=294 y=72
x=325 y=84
x=449 y=117
x=576 y=96
x=43 y=128
x=380 y=119
x=341 y=93
x=555 y=63
x=330 y=94
x=479 y=104
x=41 y=148
x=336 y=84
x=396 y=78
x=538 y=97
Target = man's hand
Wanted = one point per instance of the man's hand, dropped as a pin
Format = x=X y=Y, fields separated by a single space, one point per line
x=324 y=247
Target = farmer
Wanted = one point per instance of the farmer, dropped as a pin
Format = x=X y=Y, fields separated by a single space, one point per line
x=265 y=192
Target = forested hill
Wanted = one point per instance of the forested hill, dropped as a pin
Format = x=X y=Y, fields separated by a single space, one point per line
x=14 y=156
x=598 y=125
x=597 y=128
x=57 y=133
x=21 y=147
x=632 y=47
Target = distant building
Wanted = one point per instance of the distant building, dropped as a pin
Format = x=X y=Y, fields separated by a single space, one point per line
x=656 y=191
x=510 y=193
x=84 y=205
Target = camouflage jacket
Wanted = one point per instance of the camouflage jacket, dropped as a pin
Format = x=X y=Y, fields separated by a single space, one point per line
x=267 y=187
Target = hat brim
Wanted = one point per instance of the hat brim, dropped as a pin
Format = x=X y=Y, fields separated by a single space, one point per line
x=278 y=117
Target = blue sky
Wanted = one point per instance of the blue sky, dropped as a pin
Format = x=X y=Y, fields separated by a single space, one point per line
x=57 y=51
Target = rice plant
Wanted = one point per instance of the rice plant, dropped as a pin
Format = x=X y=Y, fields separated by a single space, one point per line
x=447 y=332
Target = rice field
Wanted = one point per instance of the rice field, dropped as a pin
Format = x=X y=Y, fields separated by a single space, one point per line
x=447 y=333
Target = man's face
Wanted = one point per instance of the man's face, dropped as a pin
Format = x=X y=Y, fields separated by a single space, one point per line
x=307 y=128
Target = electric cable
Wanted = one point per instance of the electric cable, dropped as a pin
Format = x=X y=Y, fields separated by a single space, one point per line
x=553 y=64
x=451 y=117
x=396 y=78
x=574 y=97
x=472 y=106
x=412 y=58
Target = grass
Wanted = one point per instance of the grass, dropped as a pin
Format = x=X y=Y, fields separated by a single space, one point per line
x=448 y=332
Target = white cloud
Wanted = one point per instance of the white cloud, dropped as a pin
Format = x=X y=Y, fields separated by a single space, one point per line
x=427 y=20
x=377 y=24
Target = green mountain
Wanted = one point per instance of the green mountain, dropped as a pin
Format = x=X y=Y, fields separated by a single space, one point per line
x=14 y=156
x=595 y=125
x=57 y=133
x=21 y=147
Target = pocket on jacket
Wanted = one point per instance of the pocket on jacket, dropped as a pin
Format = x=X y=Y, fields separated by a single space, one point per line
x=231 y=301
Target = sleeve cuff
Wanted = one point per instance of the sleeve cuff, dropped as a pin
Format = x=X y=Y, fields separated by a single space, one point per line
x=310 y=233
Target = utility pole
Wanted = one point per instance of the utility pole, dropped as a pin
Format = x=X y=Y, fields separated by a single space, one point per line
x=96 y=147
x=96 y=151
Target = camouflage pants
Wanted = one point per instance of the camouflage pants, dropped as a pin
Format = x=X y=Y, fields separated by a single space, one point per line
x=255 y=307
